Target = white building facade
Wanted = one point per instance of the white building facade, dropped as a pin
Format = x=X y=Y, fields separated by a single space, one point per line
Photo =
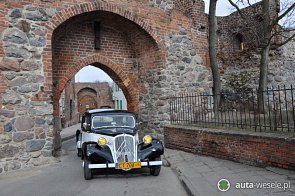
x=119 y=98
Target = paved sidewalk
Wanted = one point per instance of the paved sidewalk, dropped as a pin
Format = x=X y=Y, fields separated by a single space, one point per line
x=69 y=132
x=200 y=174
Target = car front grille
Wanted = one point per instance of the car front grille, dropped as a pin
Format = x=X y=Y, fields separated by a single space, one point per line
x=125 y=148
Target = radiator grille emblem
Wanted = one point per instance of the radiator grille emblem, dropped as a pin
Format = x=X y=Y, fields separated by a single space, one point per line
x=124 y=148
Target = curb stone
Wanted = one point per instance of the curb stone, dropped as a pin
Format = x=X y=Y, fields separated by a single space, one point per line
x=67 y=138
x=280 y=171
x=188 y=186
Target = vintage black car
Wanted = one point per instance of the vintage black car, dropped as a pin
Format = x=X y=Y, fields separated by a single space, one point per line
x=109 y=139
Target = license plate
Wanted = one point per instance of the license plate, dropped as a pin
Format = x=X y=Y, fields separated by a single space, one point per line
x=128 y=165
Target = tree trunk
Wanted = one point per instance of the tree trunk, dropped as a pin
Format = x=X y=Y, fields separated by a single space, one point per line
x=212 y=55
x=266 y=41
x=262 y=77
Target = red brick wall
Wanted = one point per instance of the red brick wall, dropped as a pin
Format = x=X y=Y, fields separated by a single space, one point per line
x=69 y=95
x=86 y=102
x=79 y=43
x=100 y=92
x=93 y=94
x=255 y=149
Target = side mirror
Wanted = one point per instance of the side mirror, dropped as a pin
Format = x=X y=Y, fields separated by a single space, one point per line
x=85 y=125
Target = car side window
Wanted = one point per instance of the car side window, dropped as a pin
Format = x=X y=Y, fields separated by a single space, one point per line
x=85 y=123
x=82 y=122
x=88 y=123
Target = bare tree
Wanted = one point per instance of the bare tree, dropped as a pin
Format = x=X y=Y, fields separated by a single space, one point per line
x=212 y=54
x=265 y=35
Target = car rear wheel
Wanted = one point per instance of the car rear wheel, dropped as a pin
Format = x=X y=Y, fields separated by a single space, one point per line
x=87 y=171
x=155 y=170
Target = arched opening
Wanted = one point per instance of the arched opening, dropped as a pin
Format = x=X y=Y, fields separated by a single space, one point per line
x=238 y=42
x=129 y=88
x=87 y=99
x=124 y=51
x=90 y=88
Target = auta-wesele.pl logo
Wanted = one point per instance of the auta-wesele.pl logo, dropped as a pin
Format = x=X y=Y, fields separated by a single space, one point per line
x=223 y=185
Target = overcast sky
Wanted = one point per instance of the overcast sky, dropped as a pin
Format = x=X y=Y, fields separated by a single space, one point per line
x=91 y=74
x=223 y=7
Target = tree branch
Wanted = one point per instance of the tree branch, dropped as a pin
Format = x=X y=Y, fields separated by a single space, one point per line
x=284 y=13
x=237 y=8
x=249 y=3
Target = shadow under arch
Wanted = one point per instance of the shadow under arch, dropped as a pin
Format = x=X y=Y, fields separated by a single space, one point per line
x=126 y=82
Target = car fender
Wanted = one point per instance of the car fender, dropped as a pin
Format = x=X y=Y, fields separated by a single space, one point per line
x=150 y=151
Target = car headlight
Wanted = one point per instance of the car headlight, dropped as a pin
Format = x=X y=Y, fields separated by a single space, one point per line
x=147 y=139
x=102 y=141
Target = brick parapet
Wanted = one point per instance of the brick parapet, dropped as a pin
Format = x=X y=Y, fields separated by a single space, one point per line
x=259 y=149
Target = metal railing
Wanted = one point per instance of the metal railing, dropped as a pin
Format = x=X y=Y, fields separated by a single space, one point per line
x=237 y=110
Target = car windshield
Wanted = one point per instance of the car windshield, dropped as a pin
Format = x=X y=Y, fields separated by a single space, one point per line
x=113 y=121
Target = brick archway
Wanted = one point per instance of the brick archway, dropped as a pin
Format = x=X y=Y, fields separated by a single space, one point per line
x=87 y=98
x=86 y=101
x=110 y=68
x=126 y=82
x=77 y=9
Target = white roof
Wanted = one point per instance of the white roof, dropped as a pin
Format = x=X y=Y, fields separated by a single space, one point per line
x=99 y=110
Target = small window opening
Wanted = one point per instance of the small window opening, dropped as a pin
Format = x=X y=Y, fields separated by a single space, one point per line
x=238 y=42
x=96 y=35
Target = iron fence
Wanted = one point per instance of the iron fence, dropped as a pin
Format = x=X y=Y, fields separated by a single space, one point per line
x=237 y=110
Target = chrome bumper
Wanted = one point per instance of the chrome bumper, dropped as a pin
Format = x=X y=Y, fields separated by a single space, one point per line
x=113 y=165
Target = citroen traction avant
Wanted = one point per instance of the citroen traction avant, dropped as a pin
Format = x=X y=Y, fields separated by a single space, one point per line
x=109 y=139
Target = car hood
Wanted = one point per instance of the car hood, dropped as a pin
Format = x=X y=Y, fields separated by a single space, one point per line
x=113 y=131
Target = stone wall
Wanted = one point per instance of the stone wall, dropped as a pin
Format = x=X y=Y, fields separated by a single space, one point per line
x=233 y=31
x=184 y=73
x=233 y=59
x=281 y=71
x=256 y=149
x=282 y=64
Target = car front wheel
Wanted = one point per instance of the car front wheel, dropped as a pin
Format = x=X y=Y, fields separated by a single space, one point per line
x=87 y=171
x=155 y=170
